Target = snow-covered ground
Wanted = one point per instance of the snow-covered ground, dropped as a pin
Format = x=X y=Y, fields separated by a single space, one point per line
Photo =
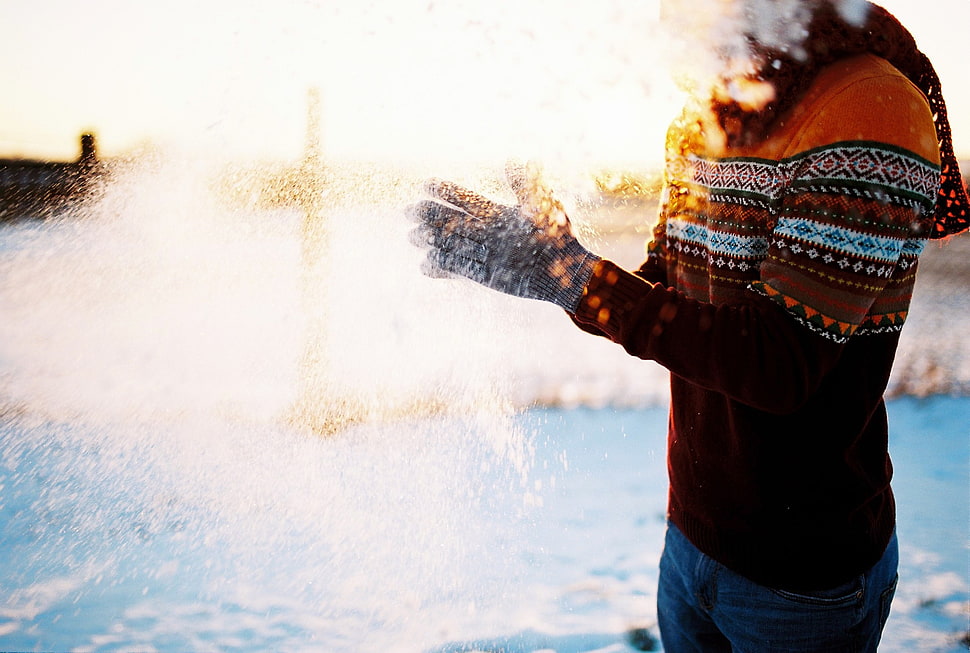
x=541 y=532
x=496 y=480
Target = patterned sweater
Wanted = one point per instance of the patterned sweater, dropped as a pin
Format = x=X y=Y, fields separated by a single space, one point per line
x=774 y=290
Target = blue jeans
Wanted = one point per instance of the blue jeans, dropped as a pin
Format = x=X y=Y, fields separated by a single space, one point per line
x=704 y=607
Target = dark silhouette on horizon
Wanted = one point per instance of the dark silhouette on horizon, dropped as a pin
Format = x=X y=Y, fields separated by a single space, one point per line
x=32 y=189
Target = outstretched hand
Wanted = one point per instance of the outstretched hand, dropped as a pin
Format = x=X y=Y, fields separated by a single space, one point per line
x=528 y=250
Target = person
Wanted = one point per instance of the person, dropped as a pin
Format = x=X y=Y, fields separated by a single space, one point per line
x=774 y=289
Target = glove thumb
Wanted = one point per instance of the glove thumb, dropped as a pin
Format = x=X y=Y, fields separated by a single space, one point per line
x=535 y=198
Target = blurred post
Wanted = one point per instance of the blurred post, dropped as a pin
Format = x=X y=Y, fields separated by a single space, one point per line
x=320 y=405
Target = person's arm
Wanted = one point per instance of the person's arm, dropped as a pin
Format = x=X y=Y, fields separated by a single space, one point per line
x=843 y=231
x=857 y=192
x=751 y=351
x=653 y=270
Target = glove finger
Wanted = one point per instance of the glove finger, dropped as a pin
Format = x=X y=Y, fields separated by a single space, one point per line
x=536 y=198
x=517 y=178
x=430 y=268
x=448 y=223
x=416 y=212
x=451 y=234
x=466 y=200
x=462 y=247
x=433 y=213
x=450 y=241
x=449 y=264
x=526 y=182
x=422 y=236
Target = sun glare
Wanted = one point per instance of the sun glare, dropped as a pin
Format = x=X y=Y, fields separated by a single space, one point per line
x=400 y=79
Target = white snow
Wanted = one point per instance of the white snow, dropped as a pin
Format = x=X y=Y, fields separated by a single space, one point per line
x=501 y=485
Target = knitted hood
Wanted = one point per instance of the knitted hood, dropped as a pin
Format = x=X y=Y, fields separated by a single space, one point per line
x=790 y=71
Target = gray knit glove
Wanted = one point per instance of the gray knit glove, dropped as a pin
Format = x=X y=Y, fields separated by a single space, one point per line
x=527 y=250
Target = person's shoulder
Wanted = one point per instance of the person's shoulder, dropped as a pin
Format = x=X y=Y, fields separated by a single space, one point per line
x=864 y=98
x=855 y=69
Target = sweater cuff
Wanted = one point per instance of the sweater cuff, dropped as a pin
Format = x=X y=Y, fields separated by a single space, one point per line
x=608 y=296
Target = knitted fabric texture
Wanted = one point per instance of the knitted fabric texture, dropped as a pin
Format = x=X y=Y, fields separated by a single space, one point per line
x=774 y=291
x=830 y=229
x=830 y=39
x=523 y=251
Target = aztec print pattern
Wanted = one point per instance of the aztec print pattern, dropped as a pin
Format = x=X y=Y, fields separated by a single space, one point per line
x=832 y=235
x=870 y=167
x=865 y=167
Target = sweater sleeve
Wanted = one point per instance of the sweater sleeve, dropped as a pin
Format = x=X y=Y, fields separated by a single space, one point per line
x=653 y=270
x=840 y=261
x=751 y=350
x=860 y=194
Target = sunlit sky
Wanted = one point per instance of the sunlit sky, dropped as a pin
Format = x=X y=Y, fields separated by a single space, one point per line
x=399 y=79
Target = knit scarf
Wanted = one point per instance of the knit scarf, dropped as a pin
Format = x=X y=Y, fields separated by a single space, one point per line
x=830 y=38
